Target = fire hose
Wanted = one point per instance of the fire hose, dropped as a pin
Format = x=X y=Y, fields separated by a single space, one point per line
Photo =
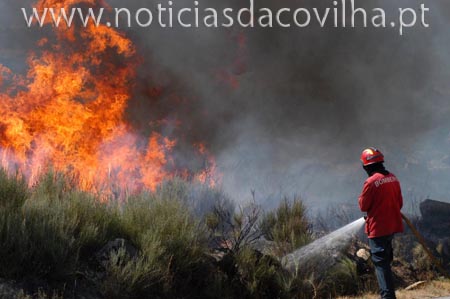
x=421 y=240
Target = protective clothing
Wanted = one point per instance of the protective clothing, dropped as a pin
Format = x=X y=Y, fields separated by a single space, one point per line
x=381 y=198
x=371 y=155
x=382 y=256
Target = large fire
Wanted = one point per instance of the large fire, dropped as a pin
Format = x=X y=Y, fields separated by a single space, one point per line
x=68 y=114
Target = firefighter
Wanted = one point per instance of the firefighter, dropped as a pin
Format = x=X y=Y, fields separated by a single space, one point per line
x=381 y=198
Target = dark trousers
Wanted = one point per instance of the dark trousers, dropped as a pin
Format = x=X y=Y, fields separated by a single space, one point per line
x=382 y=255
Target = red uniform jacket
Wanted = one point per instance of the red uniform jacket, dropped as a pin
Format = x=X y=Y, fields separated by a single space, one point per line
x=382 y=199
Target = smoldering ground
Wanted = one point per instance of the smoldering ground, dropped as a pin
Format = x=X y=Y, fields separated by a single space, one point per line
x=288 y=110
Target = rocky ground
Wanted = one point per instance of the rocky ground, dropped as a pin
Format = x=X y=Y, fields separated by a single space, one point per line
x=432 y=289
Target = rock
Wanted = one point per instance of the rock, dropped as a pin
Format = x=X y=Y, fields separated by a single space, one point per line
x=437 y=210
x=435 y=217
x=435 y=228
x=363 y=254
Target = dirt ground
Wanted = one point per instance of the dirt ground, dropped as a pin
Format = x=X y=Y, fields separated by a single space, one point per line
x=433 y=289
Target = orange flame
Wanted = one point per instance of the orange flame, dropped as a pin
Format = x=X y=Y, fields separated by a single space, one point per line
x=67 y=113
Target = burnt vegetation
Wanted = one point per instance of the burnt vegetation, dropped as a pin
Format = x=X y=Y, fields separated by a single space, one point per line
x=180 y=241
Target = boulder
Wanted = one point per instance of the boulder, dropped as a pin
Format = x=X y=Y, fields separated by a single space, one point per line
x=435 y=217
x=435 y=227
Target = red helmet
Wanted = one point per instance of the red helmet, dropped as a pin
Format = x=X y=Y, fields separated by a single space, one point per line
x=371 y=155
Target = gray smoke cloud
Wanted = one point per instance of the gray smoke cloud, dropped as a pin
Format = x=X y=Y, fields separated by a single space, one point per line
x=288 y=111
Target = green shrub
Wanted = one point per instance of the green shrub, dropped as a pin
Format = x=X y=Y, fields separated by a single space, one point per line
x=295 y=286
x=13 y=190
x=170 y=240
x=51 y=186
x=288 y=226
x=258 y=274
x=342 y=279
x=51 y=232
x=128 y=277
x=46 y=235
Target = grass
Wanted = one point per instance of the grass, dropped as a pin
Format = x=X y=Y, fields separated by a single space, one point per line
x=51 y=234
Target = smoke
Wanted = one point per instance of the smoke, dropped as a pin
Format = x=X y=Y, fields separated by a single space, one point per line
x=288 y=110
